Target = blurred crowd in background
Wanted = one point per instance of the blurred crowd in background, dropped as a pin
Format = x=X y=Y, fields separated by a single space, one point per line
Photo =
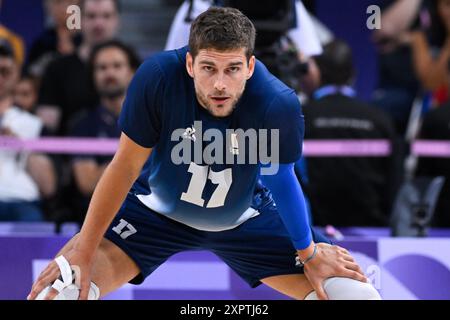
x=71 y=83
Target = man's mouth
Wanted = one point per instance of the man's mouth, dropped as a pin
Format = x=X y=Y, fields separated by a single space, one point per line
x=219 y=100
x=111 y=83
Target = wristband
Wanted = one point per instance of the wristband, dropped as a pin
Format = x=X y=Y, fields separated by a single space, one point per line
x=299 y=263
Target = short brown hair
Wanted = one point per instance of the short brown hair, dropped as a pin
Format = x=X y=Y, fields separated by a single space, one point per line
x=116 y=3
x=222 y=29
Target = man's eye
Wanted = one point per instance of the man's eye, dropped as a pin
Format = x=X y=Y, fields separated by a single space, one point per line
x=117 y=65
x=208 y=68
x=234 y=69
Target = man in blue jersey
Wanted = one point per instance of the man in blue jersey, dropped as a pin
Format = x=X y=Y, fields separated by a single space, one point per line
x=207 y=131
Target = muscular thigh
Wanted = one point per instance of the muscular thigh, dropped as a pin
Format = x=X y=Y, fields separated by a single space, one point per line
x=112 y=268
x=293 y=285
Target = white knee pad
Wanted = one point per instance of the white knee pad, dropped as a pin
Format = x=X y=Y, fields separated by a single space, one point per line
x=347 y=289
x=71 y=292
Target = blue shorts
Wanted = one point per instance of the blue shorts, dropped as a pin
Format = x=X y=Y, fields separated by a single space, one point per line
x=258 y=248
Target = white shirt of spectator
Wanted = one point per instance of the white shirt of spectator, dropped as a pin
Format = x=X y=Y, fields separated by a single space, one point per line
x=304 y=35
x=15 y=183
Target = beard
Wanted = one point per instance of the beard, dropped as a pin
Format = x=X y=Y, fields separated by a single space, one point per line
x=111 y=92
x=218 y=110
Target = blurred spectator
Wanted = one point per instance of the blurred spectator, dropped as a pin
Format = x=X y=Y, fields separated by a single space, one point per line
x=346 y=191
x=431 y=51
x=436 y=126
x=397 y=82
x=113 y=65
x=19 y=194
x=26 y=93
x=303 y=36
x=15 y=41
x=40 y=166
x=65 y=88
x=55 y=40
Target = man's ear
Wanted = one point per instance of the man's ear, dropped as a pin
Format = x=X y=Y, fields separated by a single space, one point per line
x=190 y=64
x=251 y=66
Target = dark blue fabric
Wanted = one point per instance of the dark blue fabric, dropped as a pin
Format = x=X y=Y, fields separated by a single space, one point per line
x=161 y=98
x=261 y=247
x=97 y=123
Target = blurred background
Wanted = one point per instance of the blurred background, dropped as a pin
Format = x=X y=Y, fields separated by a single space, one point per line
x=374 y=81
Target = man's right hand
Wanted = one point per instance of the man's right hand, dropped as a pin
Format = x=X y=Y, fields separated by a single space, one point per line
x=81 y=260
x=331 y=261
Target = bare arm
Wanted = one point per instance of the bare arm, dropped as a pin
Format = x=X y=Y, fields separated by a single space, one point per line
x=110 y=192
x=108 y=196
x=396 y=21
x=43 y=172
x=50 y=116
x=87 y=173
x=398 y=17
x=432 y=73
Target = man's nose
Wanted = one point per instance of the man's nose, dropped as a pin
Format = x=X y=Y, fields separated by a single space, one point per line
x=219 y=83
x=99 y=22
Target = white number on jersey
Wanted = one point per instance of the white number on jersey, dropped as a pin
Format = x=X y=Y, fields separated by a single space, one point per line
x=200 y=175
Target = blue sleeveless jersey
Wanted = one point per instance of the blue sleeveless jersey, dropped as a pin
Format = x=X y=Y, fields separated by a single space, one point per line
x=161 y=99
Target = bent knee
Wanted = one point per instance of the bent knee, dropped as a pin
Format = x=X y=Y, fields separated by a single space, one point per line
x=347 y=289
